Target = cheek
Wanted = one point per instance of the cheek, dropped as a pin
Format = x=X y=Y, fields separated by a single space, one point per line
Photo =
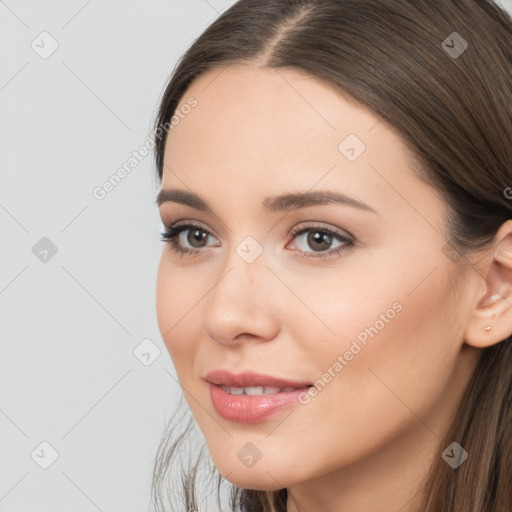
x=176 y=297
x=402 y=310
x=398 y=374
x=394 y=345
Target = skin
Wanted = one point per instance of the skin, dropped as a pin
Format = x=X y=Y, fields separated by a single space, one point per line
x=365 y=441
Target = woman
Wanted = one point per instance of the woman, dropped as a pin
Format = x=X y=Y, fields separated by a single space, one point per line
x=336 y=289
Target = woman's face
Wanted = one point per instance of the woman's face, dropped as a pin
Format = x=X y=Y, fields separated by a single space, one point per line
x=364 y=303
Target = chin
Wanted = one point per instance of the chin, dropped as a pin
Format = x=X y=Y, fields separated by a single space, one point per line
x=259 y=477
x=258 y=482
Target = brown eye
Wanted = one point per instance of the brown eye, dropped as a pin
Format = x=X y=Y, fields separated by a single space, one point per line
x=319 y=240
x=191 y=243
x=195 y=237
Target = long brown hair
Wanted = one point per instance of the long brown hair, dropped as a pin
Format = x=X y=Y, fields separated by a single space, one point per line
x=440 y=72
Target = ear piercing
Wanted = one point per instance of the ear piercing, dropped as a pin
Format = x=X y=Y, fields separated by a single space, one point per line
x=488 y=327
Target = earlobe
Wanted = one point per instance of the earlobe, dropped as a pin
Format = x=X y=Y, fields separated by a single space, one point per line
x=491 y=321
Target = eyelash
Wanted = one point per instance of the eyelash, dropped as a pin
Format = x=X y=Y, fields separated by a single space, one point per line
x=171 y=234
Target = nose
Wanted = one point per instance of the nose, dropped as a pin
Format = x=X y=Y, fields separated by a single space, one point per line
x=243 y=304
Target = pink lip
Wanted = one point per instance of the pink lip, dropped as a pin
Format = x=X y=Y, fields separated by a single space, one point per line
x=250 y=408
x=245 y=379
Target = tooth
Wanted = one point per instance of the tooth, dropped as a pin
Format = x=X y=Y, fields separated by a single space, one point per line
x=227 y=389
x=253 y=390
x=271 y=390
x=237 y=391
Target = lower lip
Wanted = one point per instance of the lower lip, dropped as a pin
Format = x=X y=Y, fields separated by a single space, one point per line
x=250 y=408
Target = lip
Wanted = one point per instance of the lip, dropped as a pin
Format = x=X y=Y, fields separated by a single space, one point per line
x=248 y=378
x=251 y=408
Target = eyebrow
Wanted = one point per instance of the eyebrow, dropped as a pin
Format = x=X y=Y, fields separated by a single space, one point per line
x=280 y=203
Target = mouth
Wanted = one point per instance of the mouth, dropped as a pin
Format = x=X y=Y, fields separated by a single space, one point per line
x=250 y=397
x=260 y=390
x=254 y=383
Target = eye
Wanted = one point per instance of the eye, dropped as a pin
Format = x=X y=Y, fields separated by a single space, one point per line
x=177 y=235
x=320 y=238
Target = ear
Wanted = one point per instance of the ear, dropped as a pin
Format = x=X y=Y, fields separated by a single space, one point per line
x=491 y=321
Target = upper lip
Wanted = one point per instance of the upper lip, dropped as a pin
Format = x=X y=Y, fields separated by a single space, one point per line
x=249 y=379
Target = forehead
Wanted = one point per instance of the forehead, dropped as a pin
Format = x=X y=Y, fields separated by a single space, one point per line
x=268 y=109
x=265 y=130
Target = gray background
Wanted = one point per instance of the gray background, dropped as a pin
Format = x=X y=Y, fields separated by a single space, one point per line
x=69 y=324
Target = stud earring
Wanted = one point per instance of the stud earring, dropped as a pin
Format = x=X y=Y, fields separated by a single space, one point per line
x=487 y=329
